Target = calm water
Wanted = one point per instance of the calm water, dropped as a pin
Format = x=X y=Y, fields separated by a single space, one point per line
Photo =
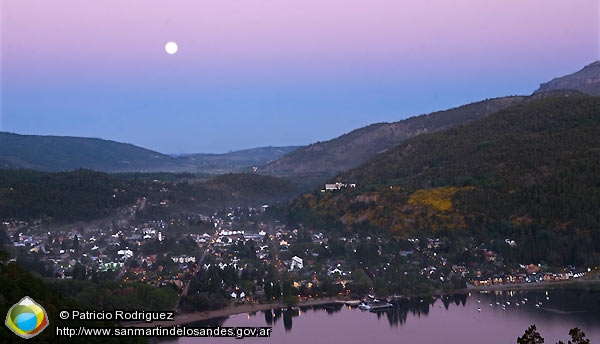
x=453 y=319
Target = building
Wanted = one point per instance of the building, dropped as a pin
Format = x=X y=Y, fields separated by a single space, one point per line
x=296 y=263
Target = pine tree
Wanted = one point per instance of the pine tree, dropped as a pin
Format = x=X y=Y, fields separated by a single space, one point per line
x=531 y=336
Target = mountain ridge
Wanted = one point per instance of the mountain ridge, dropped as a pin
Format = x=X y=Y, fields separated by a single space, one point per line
x=65 y=153
x=325 y=159
x=586 y=80
x=310 y=164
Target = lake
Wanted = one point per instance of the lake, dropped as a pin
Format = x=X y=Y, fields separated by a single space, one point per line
x=494 y=317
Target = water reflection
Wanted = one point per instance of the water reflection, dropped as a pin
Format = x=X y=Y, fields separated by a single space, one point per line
x=500 y=315
x=458 y=299
x=273 y=315
x=536 y=304
x=398 y=314
x=531 y=305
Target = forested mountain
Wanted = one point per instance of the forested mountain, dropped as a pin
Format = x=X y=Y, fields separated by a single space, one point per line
x=64 y=196
x=62 y=153
x=530 y=173
x=83 y=195
x=587 y=80
x=324 y=159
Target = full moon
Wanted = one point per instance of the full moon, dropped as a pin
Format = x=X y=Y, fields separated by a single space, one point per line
x=171 y=48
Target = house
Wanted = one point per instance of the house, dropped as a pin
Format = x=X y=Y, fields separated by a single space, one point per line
x=490 y=256
x=337 y=186
x=125 y=253
x=296 y=262
x=532 y=269
x=183 y=259
x=334 y=271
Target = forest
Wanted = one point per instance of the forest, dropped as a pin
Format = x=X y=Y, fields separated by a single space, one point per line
x=83 y=195
x=16 y=282
x=530 y=173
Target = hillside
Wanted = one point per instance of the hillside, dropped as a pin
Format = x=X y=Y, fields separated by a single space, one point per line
x=62 y=153
x=55 y=295
x=587 y=80
x=530 y=173
x=324 y=159
x=83 y=195
x=242 y=160
x=64 y=196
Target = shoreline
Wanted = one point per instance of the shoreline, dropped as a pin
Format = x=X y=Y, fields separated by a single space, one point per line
x=233 y=309
x=531 y=286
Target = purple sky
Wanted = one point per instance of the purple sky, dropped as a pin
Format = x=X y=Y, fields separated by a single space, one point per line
x=258 y=73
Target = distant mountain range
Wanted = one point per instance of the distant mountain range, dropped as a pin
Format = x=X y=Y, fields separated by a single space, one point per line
x=309 y=164
x=63 y=153
x=241 y=160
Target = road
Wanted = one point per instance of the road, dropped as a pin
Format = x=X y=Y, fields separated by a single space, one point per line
x=186 y=288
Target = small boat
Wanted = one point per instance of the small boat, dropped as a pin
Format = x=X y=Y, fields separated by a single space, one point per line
x=364 y=307
x=479 y=309
x=352 y=302
x=380 y=306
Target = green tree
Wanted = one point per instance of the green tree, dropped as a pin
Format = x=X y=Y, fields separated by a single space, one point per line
x=577 y=337
x=79 y=272
x=531 y=336
x=75 y=242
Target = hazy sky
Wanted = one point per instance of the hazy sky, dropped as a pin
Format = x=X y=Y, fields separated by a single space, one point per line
x=252 y=73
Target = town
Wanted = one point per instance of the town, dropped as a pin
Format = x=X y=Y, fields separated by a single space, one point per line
x=249 y=255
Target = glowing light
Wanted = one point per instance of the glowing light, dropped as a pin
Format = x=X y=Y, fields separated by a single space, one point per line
x=171 y=48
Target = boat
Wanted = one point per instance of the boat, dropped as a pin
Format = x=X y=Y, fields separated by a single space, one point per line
x=352 y=302
x=364 y=307
x=380 y=306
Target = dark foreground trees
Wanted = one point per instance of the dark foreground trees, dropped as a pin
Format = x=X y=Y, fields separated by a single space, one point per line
x=532 y=336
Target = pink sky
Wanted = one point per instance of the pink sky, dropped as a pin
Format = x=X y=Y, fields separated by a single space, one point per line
x=349 y=48
x=256 y=34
